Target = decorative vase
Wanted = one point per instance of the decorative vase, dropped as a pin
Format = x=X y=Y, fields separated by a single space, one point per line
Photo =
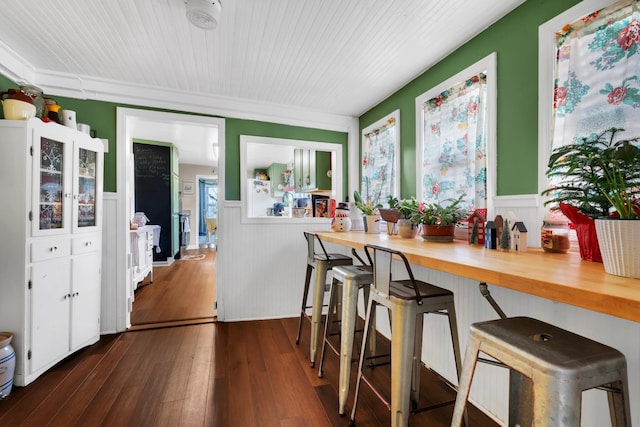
x=438 y=233
x=7 y=364
x=391 y=216
x=619 y=241
x=407 y=229
x=372 y=224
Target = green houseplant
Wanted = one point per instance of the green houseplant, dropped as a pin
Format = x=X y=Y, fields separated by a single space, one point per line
x=599 y=179
x=409 y=223
x=368 y=209
x=439 y=220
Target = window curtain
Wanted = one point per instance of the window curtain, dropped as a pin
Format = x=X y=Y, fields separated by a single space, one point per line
x=597 y=74
x=378 y=163
x=454 y=157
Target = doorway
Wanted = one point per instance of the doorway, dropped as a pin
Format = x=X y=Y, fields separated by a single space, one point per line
x=144 y=124
x=208 y=205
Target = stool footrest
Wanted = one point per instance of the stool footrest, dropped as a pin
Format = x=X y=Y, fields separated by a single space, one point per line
x=434 y=406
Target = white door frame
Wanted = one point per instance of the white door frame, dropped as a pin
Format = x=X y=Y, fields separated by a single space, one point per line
x=125 y=122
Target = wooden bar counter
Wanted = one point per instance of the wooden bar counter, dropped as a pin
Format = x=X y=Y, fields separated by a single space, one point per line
x=558 y=277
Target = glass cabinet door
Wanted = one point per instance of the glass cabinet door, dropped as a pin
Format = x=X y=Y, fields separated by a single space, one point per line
x=51 y=184
x=85 y=190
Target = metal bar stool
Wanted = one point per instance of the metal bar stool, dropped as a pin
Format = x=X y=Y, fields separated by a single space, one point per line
x=556 y=366
x=322 y=263
x=347 y=280
x=408 y=300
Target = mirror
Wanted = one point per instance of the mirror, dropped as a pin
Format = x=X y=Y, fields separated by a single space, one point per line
x=281 y=179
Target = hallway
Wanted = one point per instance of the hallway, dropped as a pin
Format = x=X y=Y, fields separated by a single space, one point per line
x=185 y=291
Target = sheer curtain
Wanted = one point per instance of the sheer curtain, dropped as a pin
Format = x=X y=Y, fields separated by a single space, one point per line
x=454 y=145
x=597 y=75
x=379 y=151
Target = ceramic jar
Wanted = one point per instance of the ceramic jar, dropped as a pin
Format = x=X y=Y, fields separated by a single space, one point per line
x=7 y=364
x=407 y=229
x=38 y=100
x=17 y=105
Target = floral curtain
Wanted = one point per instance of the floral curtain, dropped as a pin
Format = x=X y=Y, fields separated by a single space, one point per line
x=379 y=163
x=597 y=76
x=454 y=157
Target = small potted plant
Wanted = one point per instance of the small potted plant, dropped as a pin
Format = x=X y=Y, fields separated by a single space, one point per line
x=408 y=223
x=439 y=220
x=391 y=215
x=369 y=209
x=600 y=181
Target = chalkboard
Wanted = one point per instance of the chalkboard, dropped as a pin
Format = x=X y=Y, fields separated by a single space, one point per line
x=152 y=171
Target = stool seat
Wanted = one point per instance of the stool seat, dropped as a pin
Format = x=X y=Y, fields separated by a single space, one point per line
x=559 y=363
x=349 y=279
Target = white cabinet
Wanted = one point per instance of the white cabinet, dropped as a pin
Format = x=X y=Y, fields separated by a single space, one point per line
x=52 y=234
x=142 y=243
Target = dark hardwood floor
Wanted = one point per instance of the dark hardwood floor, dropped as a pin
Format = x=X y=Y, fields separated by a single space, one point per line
x=184 y=290
x=206 y=374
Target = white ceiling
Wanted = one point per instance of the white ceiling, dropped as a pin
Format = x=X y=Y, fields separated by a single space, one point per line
x=331 y=57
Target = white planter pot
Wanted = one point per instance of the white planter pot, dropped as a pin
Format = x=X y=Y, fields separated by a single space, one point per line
x=619 y=242
x=372 y=224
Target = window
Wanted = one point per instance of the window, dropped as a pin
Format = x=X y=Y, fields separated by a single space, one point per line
x=588 y=68
x=380 y=159
x=455 y=127
x=591 y=82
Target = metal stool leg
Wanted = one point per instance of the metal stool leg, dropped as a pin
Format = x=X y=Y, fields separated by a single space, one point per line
x=349 y=314
x=402 y=350
x=328 y=324
x=305 y=295
x=371 y=308
x=464 y=385
x=416 y=362
x=316 y=312
x=619 y=408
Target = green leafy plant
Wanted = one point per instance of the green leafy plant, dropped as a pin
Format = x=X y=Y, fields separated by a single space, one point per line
x=438 y=214
x=407 y=207
x=597 y=174
x=367 y=208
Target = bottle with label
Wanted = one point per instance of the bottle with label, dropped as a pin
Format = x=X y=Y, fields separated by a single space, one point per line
x=554 y=235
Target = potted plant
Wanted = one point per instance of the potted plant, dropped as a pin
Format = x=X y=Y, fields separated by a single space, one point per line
x=391 y=215
x=438 y=220
x=600 y=174
x=368 y=209
x=408 y=223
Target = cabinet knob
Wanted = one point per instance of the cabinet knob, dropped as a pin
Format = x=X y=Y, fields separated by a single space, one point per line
x=87 y=243
x=54 y=248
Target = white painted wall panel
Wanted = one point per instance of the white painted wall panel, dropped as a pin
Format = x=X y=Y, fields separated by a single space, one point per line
x=108 y=311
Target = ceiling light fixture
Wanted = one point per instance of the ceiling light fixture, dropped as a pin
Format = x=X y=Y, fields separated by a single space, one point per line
x=203 y=14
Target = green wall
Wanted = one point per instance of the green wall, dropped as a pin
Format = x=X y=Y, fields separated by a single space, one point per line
x=101 y=116
x=237 y=127
x=515 y=40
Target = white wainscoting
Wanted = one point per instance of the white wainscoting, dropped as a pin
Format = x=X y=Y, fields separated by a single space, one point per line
x=108 y=309
x=260 y=267
x=260 y=274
